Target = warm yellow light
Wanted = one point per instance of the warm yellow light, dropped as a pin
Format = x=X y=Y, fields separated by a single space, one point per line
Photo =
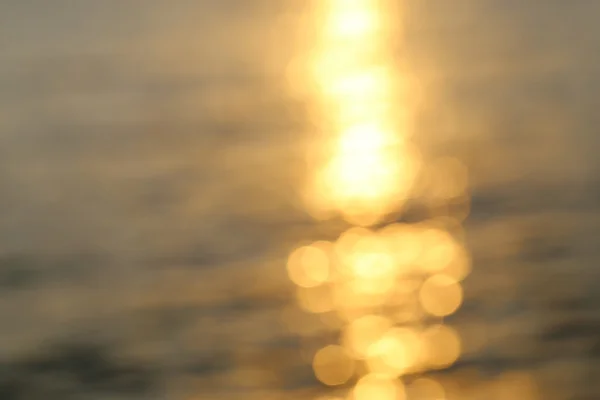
x=333 y=366
x=376 y=387
x=440 y=295
x=364 y=332
x=365 y=167
x=316 y=300
x=353 y=299
x=460 y=266
x=370 y=168
x=351 y=19
x=364 y=186
x=366 y=139
x=412 y=343
x=308 y=266
x=442 y=346
x=408 y=310
x=369 y=266
x=438 y=250
x=350 y=88
x=397 y=352
x=352 y=23
x=404 y=244
x=366 y=261
x=370 y=257
x=345 y=244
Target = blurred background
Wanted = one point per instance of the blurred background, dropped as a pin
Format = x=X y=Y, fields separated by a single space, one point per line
x=152 y=163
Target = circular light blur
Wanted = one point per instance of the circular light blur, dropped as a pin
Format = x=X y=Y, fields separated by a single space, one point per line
x=315 y=300
x=364 y=332
x=440 y=295
x=376 y=387
x=333 y=366
x=442 y=346
x=308 y=266
x=439 y=249
x=393 y=354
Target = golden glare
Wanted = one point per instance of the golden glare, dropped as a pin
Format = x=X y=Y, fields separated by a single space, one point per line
x=372 y=83
x=397 y=352
x=440 y=295
x=376 y=387
x=364 y=332
x=333 y=366
x=348 y=240
x=405 y=244
x=353 y=19
x=442 y=346
x=439 y=250
x=377 y=287
x=412 y=345
x=370 y=260
x=315 y=300
x=365 y=186
x=308 y=266
x=460 y=266
x=370 y=167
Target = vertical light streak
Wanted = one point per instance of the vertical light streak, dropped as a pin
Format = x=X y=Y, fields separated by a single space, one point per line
x=383 y=285
x=370 y=165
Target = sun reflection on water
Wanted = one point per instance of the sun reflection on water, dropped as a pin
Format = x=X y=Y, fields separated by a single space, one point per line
x=389 y=288
x=370 y=164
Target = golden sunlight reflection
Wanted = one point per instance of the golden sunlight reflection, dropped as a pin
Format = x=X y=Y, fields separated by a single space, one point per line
x=333 y=366
x=308 y=266
x=384 y=290
x=440 y=295
x=316 y=300
x=377 y=387
x=394 y=353
x=352 y=18
x=370 y=165
x=442 y=346
x=364 y=332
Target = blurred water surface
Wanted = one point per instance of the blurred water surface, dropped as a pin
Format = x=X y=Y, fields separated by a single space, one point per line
x=152 y=159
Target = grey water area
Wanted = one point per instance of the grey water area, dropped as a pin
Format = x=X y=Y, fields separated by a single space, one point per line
x=152 y=158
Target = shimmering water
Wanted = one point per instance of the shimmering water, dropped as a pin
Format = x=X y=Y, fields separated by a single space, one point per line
x=152 y=171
